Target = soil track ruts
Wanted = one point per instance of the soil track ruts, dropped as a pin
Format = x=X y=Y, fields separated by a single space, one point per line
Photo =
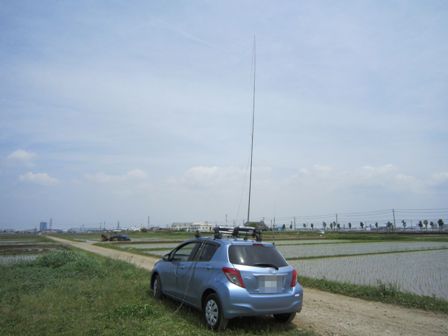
x=326 y=313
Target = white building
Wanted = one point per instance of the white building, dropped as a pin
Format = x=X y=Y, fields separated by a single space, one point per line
x=192 y=227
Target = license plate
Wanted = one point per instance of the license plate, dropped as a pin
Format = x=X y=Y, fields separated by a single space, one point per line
x=269 y=284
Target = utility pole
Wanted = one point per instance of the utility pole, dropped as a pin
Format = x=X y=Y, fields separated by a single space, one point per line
x=149 y=221
x=393 y=215
x=336 y=219
x=252 y=137
x=294 y=223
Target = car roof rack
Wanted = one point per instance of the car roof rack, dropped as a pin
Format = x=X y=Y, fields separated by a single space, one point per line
x=234 y=232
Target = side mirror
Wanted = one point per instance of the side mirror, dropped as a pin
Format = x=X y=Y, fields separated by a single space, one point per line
x=167 y=257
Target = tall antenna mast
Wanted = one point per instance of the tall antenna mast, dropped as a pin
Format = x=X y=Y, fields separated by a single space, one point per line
x=253 y=123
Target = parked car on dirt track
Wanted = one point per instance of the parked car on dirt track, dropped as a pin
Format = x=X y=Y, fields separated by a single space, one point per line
x=120 y=237
x=227 y=278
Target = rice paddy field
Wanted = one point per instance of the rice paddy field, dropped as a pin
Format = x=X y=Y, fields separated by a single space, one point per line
x=323 y=250
x=23 y=248
x=423 y=273
x=417 y=265
x=12 y=259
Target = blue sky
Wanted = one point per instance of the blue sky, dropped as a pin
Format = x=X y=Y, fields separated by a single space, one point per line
x=111 y=110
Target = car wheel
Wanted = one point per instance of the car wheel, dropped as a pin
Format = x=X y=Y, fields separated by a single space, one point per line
x=157 y=288
x=213 y=314
x=285 y=318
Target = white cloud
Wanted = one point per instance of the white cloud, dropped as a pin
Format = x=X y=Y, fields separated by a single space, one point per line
x=369 y=171
x=103 y=178
x=136 y=174
x=210 y=176
x=224 y=177
x=387 y=177
x=22 y=156
x=440 y=177
x=439 y=181
x=38 y=178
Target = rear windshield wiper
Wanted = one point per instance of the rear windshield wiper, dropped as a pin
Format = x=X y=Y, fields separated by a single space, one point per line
x=265 y=265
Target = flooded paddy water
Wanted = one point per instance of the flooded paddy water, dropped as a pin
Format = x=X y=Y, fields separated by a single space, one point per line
x=423 y=273
x=15 y=249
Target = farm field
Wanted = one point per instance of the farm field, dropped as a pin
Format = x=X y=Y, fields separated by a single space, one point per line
x=321 y=250
x=316 y=249
x=23 y=248
x=12 y=259
x=135 y=236
x=421 y=269
x=144 y=244
x=422 y=273
x=148 y=246
x=12 y=246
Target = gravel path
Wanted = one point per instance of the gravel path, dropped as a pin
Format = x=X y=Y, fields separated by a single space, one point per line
x=326 y=313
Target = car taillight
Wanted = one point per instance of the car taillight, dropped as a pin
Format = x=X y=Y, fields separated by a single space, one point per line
x=294 y=278
x=234 y=276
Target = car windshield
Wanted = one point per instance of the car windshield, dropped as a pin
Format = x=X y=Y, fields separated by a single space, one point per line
x=256 y=255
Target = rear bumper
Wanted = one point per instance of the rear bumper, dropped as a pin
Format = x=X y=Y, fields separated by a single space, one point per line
x=237 y=301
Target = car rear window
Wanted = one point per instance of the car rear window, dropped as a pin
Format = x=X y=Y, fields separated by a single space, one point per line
x=207 y=251
x=256 y=255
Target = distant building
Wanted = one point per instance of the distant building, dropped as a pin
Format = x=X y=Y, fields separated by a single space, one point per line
x=43 y=226
x=87 y=229
x=201 y=227
x=192 y=227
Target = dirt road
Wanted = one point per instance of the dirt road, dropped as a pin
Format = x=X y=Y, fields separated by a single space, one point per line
x=138 y=260
x=326 y=313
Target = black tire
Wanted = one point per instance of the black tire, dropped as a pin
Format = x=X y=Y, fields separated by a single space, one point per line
x=157 y=291
x=213 y=314
x=285 y=318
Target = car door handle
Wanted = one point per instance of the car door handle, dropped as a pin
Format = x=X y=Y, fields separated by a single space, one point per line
x=208 y=268
x=181 y=267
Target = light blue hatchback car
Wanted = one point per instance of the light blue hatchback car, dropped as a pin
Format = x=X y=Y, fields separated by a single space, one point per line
x=229 y=277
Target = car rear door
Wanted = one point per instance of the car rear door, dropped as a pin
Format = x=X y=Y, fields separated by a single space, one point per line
x=202 y=271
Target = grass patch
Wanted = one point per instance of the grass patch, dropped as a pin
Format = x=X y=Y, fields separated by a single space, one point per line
x=71 y=292
x=25 y=238
x=386 y=293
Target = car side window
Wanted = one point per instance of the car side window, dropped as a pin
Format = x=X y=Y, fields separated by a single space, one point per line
x=207 y=251
x=186 y=252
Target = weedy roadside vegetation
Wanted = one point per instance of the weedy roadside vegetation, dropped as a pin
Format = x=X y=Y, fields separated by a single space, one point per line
x=75 y=293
